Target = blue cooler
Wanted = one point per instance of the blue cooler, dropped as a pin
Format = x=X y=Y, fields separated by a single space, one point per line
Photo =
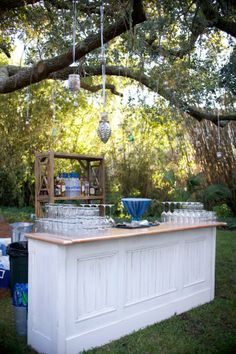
x=4 y=272
x=4 y=278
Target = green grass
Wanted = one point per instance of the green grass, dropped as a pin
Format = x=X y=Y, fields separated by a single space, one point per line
x=14 y=214
x=210 y=328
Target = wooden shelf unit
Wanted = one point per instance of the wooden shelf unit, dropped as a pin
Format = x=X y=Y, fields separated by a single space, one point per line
x=93 y=167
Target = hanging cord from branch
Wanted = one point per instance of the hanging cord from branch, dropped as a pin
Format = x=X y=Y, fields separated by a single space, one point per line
x=27 y=121
x=53 y=105
x=74 y=28
x=103 y=58
x=218 y=128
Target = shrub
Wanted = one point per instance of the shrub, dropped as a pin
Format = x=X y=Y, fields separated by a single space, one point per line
x=222 y=210
x=216 y=194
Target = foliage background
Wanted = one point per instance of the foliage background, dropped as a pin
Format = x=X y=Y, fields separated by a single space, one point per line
x=155 y=150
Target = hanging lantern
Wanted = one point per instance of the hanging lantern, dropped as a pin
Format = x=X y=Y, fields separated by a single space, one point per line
x=131 y=138
x=54 y=132
x=74 y=79
x=74 y=82
x=198 y=143
x=219 y=154
x=104 y=129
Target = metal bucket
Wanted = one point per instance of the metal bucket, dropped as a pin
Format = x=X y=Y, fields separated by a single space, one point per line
x=19 y=229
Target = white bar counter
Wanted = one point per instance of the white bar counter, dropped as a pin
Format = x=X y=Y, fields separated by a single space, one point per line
x=85 y=291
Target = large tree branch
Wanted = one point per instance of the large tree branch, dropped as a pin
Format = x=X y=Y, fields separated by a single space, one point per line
x=86 y=7
x=96 y=88
x=7 y=5
x=198 y=28
x=162 y=91
x=4 y=49
x=140 y=77
x=215 y=19
x=42 y=70
x=186 y=48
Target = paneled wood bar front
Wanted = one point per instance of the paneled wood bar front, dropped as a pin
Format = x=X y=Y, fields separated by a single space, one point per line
x=85 y=291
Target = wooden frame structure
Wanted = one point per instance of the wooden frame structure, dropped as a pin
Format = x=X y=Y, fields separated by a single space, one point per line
x=93 y=166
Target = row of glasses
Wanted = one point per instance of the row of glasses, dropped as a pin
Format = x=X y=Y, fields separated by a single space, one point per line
x=186 y=213
x=190 y=216
x=71 y=211
x=72 y=226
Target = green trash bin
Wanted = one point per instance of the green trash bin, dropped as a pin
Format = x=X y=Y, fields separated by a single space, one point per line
x=18 y=255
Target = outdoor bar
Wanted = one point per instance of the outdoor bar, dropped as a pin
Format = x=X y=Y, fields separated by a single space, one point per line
x=89 y=289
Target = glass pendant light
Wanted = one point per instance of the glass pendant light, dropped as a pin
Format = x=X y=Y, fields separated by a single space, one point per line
x=74 y=79
x=104 y=129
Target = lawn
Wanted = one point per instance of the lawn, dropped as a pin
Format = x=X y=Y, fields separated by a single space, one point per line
x=210 y=328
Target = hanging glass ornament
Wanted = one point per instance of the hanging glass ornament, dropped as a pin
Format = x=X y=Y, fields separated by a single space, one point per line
x=54 y=132
x=104 y=129
x=74 y=82
x=74 y=79
x=198 y=143
x=219 y=154
x=131 y=138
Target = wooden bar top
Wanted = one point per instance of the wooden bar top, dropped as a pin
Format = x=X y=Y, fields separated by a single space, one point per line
x=116 y=233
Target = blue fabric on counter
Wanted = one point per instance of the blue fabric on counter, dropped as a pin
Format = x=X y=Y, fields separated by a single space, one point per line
x=136 y=206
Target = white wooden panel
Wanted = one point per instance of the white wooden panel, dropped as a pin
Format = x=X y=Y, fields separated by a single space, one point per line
x=150 y=273
x=42 y=292
x=96 y=293
x=194 y=262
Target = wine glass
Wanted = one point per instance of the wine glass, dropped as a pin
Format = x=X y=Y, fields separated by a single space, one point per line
x=164 y=214
x=111 y=220
x=169 y=213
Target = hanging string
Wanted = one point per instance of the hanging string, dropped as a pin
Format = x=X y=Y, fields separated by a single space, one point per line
x=53 y=105
x=74 y=28
x=54 y=129
x=104 y=129
x=103 y=59
x=218 y=127
x=27 y=121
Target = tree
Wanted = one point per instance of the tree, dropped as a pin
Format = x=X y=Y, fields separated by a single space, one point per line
x=175 y=48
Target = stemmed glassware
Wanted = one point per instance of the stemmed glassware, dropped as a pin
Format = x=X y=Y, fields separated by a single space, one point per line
x=164 y=213
x=169 y=213
x=110 y=217
x=186 y=213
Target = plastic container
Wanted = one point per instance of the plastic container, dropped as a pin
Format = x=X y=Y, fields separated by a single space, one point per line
x=19 y=229
x=74 y=184
x=20 y=314
x=66 y=179
x=18 y=252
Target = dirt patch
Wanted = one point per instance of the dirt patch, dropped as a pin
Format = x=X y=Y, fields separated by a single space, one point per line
x=4 y=293
x=5 y=229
